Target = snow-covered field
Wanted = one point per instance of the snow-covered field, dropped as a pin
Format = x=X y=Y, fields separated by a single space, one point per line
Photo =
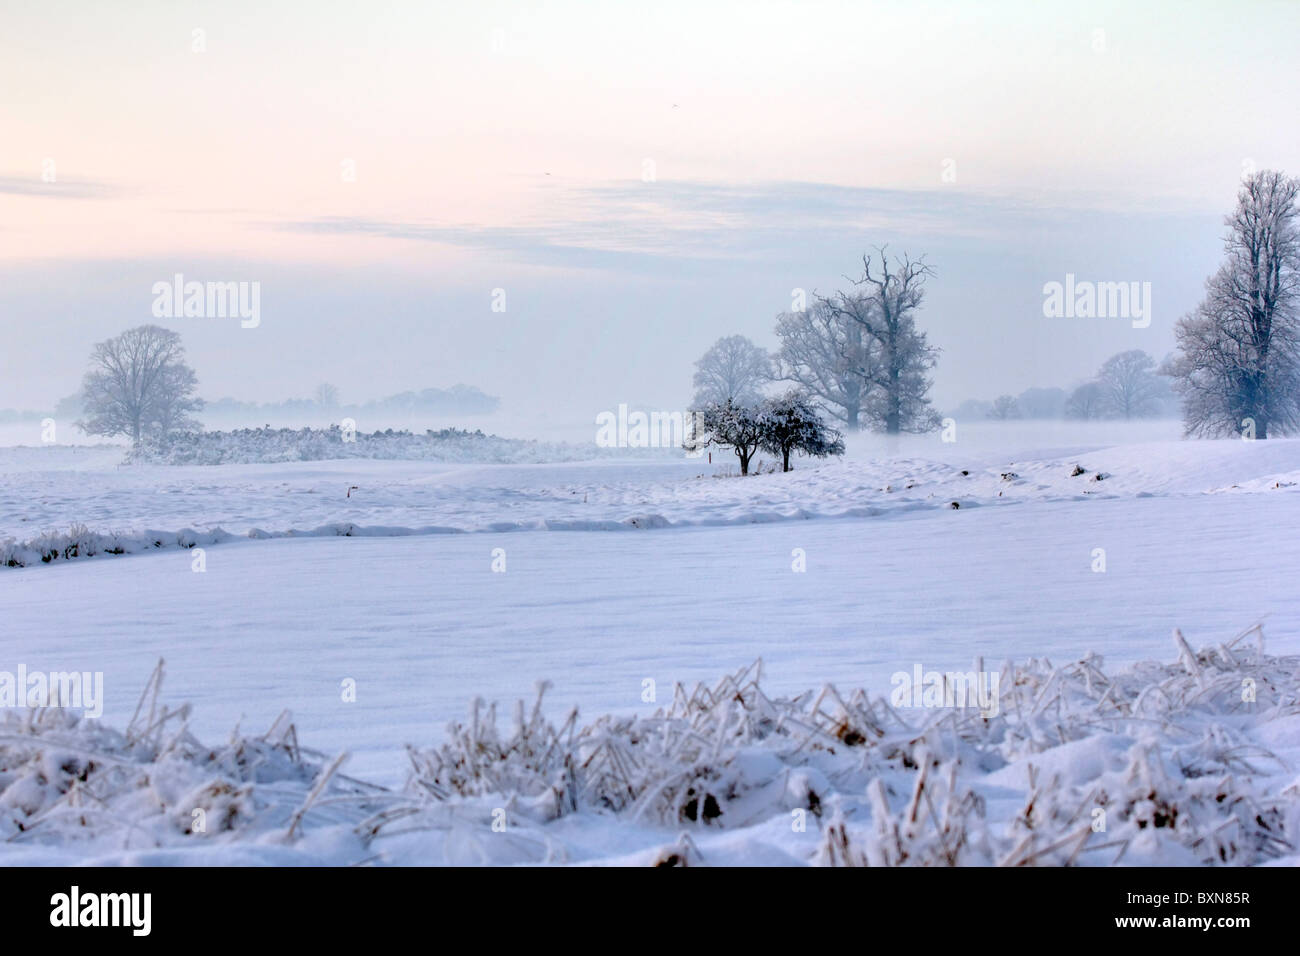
x=49 y=489
x=665 y=572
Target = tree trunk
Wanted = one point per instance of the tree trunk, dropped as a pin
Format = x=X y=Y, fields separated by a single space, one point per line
x=1257 y=404
x=894 y=417
x=785 y=459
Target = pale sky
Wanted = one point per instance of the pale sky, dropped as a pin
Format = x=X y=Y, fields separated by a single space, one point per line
x=507 y=145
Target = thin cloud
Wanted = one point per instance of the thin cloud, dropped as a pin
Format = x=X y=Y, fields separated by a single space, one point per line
x=626 y=225
x=60 y=189
x=637 y=226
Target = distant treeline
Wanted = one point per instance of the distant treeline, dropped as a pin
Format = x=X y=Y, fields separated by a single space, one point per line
x=457 y=400
x=1050 y=403
x=1128 y=385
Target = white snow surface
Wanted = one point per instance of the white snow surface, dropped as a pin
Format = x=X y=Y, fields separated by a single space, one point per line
x=48 y=492
x=1196 y=535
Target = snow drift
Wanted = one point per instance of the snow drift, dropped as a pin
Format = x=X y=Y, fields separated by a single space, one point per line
x=1185 y=763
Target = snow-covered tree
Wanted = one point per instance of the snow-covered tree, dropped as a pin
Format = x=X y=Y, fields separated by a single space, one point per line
x=823 y=352
x=1129 y=385
x=1004 y=407
x=1085 y=402
x=1238 y=363
x=139 y=385
x=168 y=407
x=327 y=396
x=790 y=423
x=733 y=369
x=882 y=304
x=734 y=425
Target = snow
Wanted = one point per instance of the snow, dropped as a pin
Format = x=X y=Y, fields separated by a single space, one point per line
x=1158 y=764
x=135 y=505
x=266 y=444
x=1195 y=536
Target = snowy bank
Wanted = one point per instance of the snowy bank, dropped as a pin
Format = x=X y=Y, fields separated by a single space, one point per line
x=1185 y=763
x=79 y=512
x=272 y=445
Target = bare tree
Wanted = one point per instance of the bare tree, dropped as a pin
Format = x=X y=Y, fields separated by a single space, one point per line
x=327 y=396
x=1238 y=364
x=169 y=405
x=1129 y=386
x=733 y=369
x=883 y=304
x=139 y=385
x=823 y=351
x=1085 y=402
x=1004 y=407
